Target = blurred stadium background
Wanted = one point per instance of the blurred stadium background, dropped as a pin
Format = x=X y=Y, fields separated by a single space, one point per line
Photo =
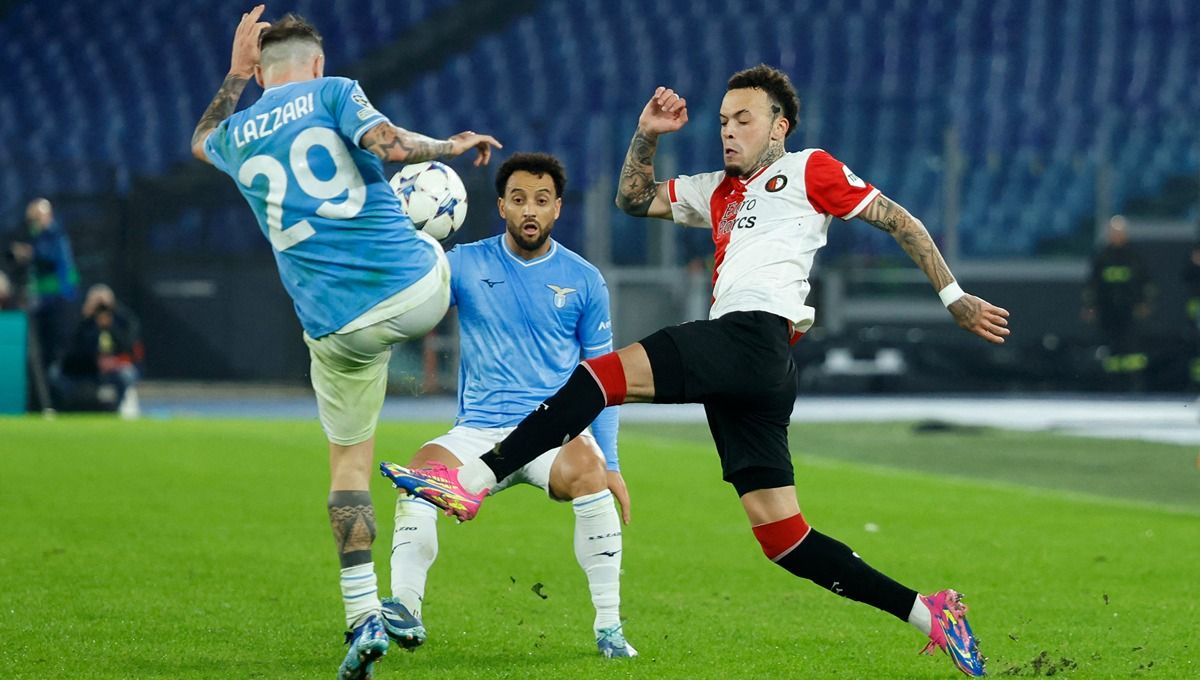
x=1013 y=128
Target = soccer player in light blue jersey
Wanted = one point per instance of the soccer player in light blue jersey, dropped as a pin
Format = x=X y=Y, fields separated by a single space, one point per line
x=528 y=310
x=308 y=157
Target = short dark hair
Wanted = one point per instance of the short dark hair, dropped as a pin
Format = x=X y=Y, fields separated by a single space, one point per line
x=289 y=27
x=778 y=87
x=535 y=163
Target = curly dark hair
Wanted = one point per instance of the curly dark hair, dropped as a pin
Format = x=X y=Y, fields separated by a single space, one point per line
x=536 y=164
x=288 y=27
x=778 y=87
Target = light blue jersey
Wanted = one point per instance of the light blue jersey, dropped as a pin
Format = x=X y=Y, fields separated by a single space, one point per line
x=523 y=328
x=339 y=237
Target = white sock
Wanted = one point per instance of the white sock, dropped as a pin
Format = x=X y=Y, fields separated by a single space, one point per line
x=598 y=550
x=360 y=594
x=920 y=617
x=414 y=548
x=476 y=476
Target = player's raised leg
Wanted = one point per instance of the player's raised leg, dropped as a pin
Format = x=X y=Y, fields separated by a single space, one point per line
x=578 y=474
x=608 y=380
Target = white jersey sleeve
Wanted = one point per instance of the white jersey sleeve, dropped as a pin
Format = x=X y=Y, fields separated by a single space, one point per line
x=691 y=198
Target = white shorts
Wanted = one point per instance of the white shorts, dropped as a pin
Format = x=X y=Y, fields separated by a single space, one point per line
x=349 y=369
x=469 y=443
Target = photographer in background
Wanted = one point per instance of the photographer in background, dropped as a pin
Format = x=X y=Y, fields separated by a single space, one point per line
x=101 y=363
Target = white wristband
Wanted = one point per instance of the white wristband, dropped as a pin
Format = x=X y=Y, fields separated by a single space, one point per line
x=951 y=293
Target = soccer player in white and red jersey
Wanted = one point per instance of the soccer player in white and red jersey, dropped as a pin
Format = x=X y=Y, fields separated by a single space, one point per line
x=769 y=212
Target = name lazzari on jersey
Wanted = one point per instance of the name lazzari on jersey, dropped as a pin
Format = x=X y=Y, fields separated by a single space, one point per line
x=265 y=124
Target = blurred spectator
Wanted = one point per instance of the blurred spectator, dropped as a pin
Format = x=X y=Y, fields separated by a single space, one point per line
x=42 y=254
x=1117 y=297
x=101 y=363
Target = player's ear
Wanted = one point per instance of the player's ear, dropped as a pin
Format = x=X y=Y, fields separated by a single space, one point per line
x=500 y=208
x=258 y=75
x=319 y=66
x=557 y=207
x=780 y=129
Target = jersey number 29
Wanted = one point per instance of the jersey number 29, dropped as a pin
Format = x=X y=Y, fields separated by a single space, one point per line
x=346 y=179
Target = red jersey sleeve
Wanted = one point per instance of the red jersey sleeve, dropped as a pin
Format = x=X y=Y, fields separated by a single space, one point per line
x=833 y=189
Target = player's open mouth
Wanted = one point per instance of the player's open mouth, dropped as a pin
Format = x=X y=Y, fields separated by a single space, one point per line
x=729 y=152
x=530 y=228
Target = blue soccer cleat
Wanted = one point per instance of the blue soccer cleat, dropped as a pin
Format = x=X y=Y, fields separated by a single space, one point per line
x=368 y=643
x=612 y=645
x=402 y=627
x=952 y=634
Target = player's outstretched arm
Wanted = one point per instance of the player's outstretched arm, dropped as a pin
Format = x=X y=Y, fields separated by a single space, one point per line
x=638 y=193
x=241 y=69
x=396 y=145
x=971 y=313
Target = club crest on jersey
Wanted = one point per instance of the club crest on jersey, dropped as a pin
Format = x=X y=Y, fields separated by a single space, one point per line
x=560 y=294
x=853 y=179
x=776 y=183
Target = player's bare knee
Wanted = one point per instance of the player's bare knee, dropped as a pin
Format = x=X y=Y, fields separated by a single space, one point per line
x=434 y=453
x=577 y=471
x=639 y=377
x=589 y=478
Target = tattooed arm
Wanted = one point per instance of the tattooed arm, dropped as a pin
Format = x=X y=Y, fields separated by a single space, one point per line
x=241 y=67
x=397 y=145
x=638 y=194
x=221 y=107
x=971 y=313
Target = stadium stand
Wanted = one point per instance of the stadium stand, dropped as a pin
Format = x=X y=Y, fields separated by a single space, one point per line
x=1043 y=95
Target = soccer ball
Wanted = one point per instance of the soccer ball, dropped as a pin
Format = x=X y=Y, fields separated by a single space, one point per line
x=433 y=197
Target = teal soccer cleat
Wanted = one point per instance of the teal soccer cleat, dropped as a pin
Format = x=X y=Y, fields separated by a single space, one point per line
x=612 y=645
x=402 y=627
x=368 y=643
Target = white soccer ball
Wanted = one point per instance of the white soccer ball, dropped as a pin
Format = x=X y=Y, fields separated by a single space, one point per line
x=433 y=197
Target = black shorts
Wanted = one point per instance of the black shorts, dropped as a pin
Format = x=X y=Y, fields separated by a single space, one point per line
x=740 y=367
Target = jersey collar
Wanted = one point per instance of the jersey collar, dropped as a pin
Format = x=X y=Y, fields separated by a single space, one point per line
x=522 y=261
x=759 y=172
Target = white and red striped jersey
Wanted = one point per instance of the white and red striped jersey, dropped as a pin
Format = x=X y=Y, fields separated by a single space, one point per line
x=767 y=229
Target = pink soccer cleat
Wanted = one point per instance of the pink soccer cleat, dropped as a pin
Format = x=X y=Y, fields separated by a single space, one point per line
x=952 y=634
x=437 y=484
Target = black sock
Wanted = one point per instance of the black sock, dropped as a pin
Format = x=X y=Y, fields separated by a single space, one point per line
x=556 y=421
x=832 y=565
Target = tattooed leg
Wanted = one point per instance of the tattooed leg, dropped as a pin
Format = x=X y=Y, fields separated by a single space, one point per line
x=353 y=520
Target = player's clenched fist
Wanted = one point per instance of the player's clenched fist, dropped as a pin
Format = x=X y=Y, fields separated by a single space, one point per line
x=665 y=112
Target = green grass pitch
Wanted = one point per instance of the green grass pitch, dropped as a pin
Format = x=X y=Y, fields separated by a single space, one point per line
x=201 y=549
